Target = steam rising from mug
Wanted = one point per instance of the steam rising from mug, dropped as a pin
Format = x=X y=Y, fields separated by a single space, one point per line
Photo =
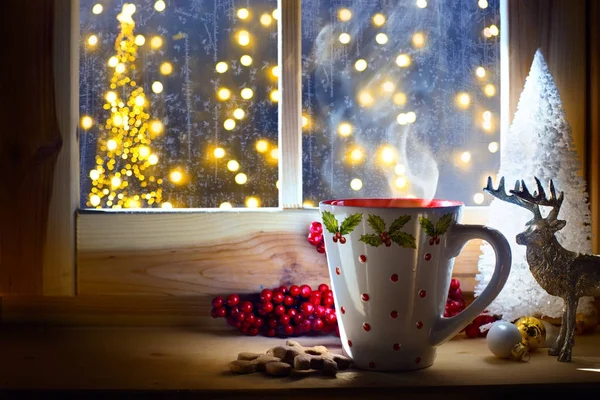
x=421 y=169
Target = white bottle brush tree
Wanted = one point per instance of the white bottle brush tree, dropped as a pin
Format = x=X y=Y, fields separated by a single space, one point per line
x=539 y=143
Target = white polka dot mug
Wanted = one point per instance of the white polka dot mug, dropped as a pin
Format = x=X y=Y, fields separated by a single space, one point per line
x=390 y=263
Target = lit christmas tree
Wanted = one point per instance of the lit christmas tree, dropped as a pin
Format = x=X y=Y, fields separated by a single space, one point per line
x=540 y=144
x=123 y=176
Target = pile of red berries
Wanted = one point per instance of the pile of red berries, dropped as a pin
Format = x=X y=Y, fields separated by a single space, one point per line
x=282 y=311
x=455 y=302
x=315 y=236
x=472 y=330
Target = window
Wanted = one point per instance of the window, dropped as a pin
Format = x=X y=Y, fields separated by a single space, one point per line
x=179 y=101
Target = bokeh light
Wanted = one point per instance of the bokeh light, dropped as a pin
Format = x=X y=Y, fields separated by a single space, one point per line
x=403 y=60
x=221 y=67
x=97 y=9
x=219 y=152
x=166 y=68
x=87 y=122
x=247 y=93
x=233 y=165
x=378 y=19
x=241 y=178
x=344 y=38
x=381 y=38
x=229 y=124
x=345 y=129
x=238 y=113
x=418 y=40
x=156 y=42
x=92 y=40
x=160 y=6
x=360 y=65
x=356 y=184
x=246 y=60
x=157 y=87
x=243 y=13
x=344 y=14
x=262 y=146
x=252 y=202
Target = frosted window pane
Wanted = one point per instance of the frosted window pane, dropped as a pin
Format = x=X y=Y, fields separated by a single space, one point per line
x=400 y=98
x=203 y=98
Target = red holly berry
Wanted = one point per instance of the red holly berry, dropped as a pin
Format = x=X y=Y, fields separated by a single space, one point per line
x=292 y=312
x=277 y=297
x=338 y=235
x=233 y=300
x=288 y=330
x=431 y=241
x=279 y=309
x=437 y=240
x=218 y=302
x=321 y=248
x=298 y=318
x=328 y=301
x=342 y=240
x=427 y=256
x=283 y=289
x=294 y=290
x=305 y=291
x=394 y=278
x=323 y=287
x=307 y=309
x=258 y=322
x=319 y=311
x=288 y=301
x=251 y=319
x=240 y=317
x=284 y=319
x=454 y=284
x=330 y=319
x=317 y=324
x=366 y=327
x=266 y=295
x=335 y=239
x=246 y=307
x=315 y=298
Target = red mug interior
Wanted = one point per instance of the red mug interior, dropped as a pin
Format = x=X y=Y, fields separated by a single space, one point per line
x=393 y=203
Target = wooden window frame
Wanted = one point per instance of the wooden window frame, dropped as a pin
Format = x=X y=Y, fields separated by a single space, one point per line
x=163 y=265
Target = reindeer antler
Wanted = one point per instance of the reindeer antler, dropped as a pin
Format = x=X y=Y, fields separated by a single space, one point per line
x=539 y=197
x=519 y=197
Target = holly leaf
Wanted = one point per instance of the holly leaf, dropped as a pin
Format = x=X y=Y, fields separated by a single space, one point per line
x=377 y=223
x=443 y=224
x=371 y=240
x=427 y=226
x=350 y=223
x=404 y=239
x=330 y=222
x=398 y=224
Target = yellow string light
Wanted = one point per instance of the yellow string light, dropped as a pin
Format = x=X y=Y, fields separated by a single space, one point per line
x=94 y=174
x=241 y=178
x=275 y=14
x=225 y=205
x=307 y=204
x=493 y=147
x=95 y=200
x=219 y=152
x=494 y=30
x=144 y=151
x=360 y=65
x=400 y=99
x=399 y=169
x=480 y=72
x=243 y=13
x=97 y=9
x=421 y=3
x=140 y=100
x=87 y=122
x=224 y=94
x=167 y=205
x=365 y=98
x=221 y=67
x=465 y=157
x=156 y=127
x=403 y=60
x=418 y=40
x=246 y=60
x=252 y=202
x=387 y=155
x=113 y=61
x=344 y=38
x=378 y=19
x=275 y=71
x=111 y=145
x=166 y=68
x=247 y=93
x=153 y=159
x=176 y=176
x=401 y=182
x=238 y=113
x=482 y=3
x=305 y=121
x=229 y=124
x=93 y=40
x=156 y=42
x=478 y=198
x=160 y=6
x=157 y=87
x=266 y=19
x=463 y=100
x=233 y=165
x=381 y=38
x=344 y=14
x=140 y=40
x=356 y=184
x=345 y=129
x=489 y=90
x=275 y=153
x=274 y=96
x=243 y=38
x=356 y=155
x=388 y=86
x=262 y=146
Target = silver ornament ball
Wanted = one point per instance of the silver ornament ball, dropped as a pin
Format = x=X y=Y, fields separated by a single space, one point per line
x=502 y=338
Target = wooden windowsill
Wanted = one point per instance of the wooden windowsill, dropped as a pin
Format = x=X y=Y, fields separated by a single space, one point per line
x=187 y=359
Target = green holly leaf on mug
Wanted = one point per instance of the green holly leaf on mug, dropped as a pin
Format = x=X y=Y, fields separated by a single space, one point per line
x=398 y=223
x=371 y=240
x=404 y=239
x=350 y=223
x=331 y=224
x=443 y=224
x=377 y=223
x=427 y=226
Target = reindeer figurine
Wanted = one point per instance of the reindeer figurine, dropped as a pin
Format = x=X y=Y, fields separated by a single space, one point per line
x=558 y=271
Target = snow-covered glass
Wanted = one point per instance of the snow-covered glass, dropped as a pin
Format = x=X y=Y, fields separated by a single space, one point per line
x=178 y=103
x=400 y=98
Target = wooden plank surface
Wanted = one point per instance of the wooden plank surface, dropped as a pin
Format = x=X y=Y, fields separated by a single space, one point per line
x=207 y=254
x=59 y=247
x=186 y=359
x=29 y=143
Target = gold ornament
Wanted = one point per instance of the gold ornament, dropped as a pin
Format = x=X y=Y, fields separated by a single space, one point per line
x=533 y=332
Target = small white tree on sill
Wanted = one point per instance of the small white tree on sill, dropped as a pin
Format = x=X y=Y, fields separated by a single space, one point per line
x=539 y=143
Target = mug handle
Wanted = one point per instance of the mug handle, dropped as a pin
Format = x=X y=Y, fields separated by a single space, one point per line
x=457 y=236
